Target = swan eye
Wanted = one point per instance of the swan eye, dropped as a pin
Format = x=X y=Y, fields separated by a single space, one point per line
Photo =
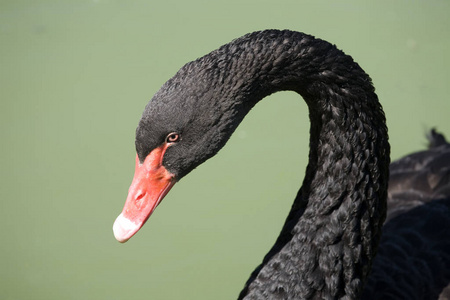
x=172 y=137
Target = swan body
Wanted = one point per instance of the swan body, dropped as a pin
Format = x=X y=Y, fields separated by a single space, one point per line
x=327 y=245
x=413 y=261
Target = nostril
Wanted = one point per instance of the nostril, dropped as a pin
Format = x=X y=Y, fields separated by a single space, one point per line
x=139 y=196
x=138 y=200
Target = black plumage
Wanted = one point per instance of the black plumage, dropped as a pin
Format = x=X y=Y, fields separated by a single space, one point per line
x=329 y=240
x=413 y=261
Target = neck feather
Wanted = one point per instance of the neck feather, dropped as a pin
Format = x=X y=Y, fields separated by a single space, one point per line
x=332 y=231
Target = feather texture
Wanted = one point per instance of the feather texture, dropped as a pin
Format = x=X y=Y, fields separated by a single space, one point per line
x=327 y=245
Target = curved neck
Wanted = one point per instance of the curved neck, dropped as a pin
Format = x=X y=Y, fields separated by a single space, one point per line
x=328 y=241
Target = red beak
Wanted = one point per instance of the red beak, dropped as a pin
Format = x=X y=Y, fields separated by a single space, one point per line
x=150 y=184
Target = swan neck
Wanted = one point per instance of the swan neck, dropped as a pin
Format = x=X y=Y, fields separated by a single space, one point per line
x=334 y=226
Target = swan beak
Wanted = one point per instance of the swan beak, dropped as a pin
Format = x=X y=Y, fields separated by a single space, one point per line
x=150 y=184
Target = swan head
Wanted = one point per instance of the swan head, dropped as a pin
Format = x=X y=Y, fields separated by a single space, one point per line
x=187 y=121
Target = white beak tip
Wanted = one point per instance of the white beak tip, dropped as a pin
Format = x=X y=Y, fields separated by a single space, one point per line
x=124 y=229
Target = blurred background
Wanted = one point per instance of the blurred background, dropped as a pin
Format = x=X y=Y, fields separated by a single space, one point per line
x=74 y=79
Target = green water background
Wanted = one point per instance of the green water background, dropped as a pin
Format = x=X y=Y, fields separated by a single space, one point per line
x=74 y=79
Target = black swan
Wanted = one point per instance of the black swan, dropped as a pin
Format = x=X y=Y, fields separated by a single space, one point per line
x=327 y=245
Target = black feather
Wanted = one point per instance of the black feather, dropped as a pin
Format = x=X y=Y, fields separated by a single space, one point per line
x=327 y=245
